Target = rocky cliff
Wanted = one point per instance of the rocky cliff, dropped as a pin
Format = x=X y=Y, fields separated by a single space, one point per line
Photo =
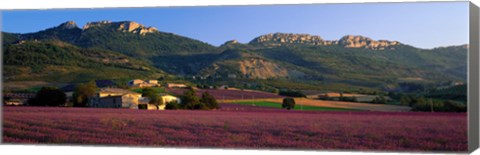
x=349 y=41
x=68 y=25
x=124 y=26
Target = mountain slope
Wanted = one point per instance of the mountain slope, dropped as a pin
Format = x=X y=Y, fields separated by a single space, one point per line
x=353 y=60
x=57 y=61
x=127 y=49
x=126 y=37
x=130 y=39
x=139 y=41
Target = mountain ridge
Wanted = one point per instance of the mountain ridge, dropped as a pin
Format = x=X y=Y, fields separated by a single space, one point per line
x=348 y=40
x=352 y=60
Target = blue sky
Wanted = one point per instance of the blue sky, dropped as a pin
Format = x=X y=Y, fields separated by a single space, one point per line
x=424 y=25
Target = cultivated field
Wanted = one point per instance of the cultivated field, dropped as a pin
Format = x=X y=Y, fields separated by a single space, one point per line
x=236 y=96
x=359 y=97
x=333 y=104
x=21 y=85
x=229 y=128
x=279 y=106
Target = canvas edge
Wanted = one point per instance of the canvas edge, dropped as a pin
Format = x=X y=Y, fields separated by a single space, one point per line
x=1 y=78
x=472 y=71
x=473 y=79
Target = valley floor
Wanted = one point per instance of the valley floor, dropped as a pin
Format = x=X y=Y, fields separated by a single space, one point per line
x=234 y=127
x=332 y=104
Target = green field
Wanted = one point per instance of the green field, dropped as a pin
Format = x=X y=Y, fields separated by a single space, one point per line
x=297 y=107
x=157 y=89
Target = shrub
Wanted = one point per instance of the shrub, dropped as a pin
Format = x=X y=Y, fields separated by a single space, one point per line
x=83 y=92
x=173 y=105
x=288 y=103
x=48 y=96
x=152 y=94
x=406 y=100
x=200 y=106
x=348 y=99
x=291 y=93
x=189 y=99
x=380 y=100
x=455 y=106
x=209 y=101
x=143 y=106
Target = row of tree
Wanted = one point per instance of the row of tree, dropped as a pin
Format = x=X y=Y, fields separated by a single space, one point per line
x=48 y=96
x=192 y=102
x=292 y=93
x=51 y=96
x=420 y=103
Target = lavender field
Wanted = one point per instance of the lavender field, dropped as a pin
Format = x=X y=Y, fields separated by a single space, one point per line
x=227 y=128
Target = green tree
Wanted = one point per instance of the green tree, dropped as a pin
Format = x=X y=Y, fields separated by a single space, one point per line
x=173 y=105
x=380 y=100
x=83 y=92
x=288 y=103
x=455 y=106
x=405 y=100
x=143 y=106
x=48 y=96
x=276 y=91
x=153 y=95
x=190 y=100
x=420 y=100
x=420 y=104
x=209 y=101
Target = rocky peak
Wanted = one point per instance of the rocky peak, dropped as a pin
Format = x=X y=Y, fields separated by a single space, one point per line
x=277 y=39
x=351 y=41
x=96 y=24
x=230 y=42
x=68 y=25
x=134 y=27
x=124 y=26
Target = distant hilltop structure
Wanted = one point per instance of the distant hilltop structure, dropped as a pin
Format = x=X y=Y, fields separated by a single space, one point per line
x=176 y=85
x=143 y=84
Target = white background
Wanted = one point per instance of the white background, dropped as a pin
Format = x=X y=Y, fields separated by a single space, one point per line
x=46 y=4
x=83 y=150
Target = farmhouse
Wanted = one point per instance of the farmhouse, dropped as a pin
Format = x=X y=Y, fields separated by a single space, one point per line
x=169 y=98
x=135 y=82
x=143 y=84
x=116 y=98
x=14 y=102
x=165 y=98
x=145 y=101
x=17 y=98
x=175 y=85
